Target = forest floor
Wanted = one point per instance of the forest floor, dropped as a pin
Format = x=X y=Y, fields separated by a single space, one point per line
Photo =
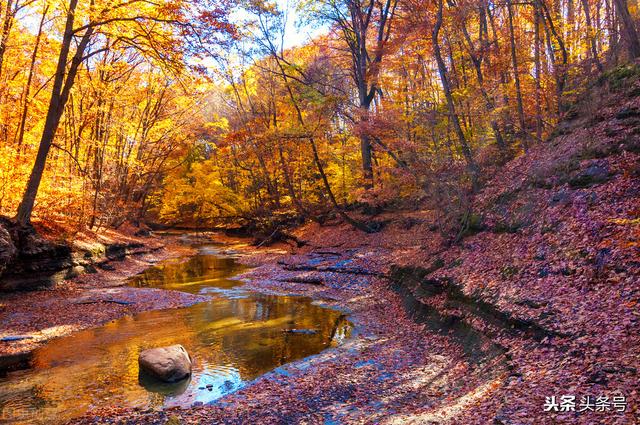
x=547 y=281
x=29 y=319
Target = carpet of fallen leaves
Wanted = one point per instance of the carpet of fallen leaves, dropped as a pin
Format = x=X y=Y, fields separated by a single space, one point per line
x=90 y=299
x=564 y=256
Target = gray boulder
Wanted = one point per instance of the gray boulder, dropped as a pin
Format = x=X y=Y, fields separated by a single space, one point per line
x=168 y=364
x=594 y=174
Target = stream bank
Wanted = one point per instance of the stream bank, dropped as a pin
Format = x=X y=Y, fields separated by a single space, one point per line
x=90 y=297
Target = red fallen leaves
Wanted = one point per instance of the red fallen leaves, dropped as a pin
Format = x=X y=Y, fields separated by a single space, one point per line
x=389 y=375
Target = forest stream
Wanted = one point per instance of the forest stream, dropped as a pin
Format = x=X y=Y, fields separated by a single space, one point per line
x=235 y=337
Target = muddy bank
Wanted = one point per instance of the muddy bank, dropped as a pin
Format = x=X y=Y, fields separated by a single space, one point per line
x=32 y=258
x=93 y=298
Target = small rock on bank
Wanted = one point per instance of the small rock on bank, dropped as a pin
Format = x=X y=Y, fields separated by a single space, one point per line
x=169 y=364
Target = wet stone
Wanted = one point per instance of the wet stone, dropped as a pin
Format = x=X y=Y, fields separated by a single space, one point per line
x=168 y=364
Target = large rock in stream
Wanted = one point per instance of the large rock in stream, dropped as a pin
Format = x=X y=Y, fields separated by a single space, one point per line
x=168 y=364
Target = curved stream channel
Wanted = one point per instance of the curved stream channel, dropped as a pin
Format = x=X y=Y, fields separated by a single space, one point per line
x=233 y=338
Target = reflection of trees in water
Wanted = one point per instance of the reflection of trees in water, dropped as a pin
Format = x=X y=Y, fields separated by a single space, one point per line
x=197 y=268
x=267 y=346
x=226 y=337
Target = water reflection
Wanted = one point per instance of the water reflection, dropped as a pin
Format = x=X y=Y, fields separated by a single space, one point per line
x=232 y=339
x=207 y=271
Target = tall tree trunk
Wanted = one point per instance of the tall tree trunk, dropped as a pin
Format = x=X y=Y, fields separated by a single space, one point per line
x=538 y=72
x=560 y=70
x=365 y=61
x=27 y=88
x=516 y=76
x=612 y=30
x=365 y=152
x=59 y=95
x=629 y=30
x=7 y=23
x=570 y=24
x=590 y=34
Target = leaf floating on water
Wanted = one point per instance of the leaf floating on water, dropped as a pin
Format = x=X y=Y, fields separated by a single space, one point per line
x=120 y=302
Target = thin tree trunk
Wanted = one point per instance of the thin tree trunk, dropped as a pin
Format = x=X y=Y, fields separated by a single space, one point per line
x=590 y=34
x=27 y=88
x=516 y=75
x=442 y=70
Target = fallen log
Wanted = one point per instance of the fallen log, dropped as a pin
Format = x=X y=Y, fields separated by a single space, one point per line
x=328 y=269
x=305 y=280
x=301 y=331
x=280 y=235
x=331 y=253
x=82 y=302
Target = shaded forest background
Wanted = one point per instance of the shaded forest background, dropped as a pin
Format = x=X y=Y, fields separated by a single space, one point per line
x=180 y=112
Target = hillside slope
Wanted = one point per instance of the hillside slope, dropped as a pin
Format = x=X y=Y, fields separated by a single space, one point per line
x=554 y=251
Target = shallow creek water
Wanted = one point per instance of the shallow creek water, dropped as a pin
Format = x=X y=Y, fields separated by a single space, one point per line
x=234 y=338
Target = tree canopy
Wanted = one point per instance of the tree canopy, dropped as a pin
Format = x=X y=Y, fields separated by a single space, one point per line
x=196 y=111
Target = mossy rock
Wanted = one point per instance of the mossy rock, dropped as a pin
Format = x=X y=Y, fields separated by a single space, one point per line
x=508 y=226
x=556 y=174
x=475 y=224
x=619 y=77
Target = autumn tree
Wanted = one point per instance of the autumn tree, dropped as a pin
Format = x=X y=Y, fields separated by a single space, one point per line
x=153 y=27
x=365 y=27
